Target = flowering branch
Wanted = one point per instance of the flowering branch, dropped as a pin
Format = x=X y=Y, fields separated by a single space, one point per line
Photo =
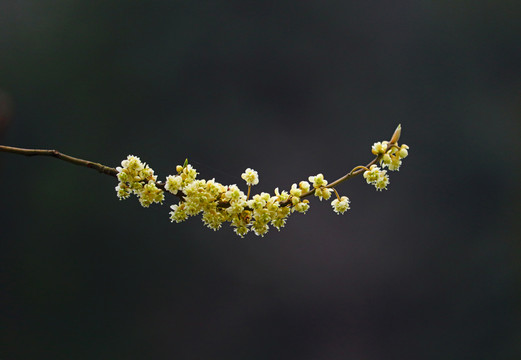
x=227 y=203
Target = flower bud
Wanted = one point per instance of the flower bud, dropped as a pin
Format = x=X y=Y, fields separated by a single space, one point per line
x=396 y=135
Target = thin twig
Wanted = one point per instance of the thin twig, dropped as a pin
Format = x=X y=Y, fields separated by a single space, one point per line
x=56 y=154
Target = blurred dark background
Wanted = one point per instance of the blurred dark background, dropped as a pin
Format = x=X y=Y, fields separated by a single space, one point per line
x=427 y=270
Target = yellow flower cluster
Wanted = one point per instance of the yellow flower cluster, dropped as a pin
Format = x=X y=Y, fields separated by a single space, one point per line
x=319 y=185
x=377 y=177
x=391 y=156
x=136 y=177
x=218 y=203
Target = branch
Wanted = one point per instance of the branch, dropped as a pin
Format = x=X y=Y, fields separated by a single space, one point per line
x=219 y=203
x=56 y=154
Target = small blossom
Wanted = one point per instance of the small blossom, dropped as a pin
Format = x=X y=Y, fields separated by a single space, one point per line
x=146 y=174
x=151 y=194
x=123 y=191
x=233 y=193
x=304 y=186
x=279 y=223
x=133 y=163
x=402 y=153
x=283 y=196
x=265 y=196
x=386 y=159
x=372 y=174
x=273 y=205
x=377 y=177
x=395 y=163
x=318 y=181
x=241 y=231
x=262 y=216
x=382 y=182
x=379 y=148
x=174 y=183
x=323 y=193
x=340 y=206
x=257 y=202
x=236 y=206
x=250 y=176
x=122 y=175
x=213 y=219
x=178 y=213
x=295 y=191
x=302 y=207
x=259 y=228
x=187 y=173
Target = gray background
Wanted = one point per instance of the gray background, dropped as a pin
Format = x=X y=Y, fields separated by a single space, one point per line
x=427 y=270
